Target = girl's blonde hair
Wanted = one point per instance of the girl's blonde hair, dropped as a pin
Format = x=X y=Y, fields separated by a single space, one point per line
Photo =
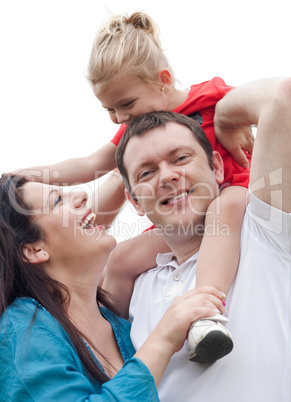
x=127 y=46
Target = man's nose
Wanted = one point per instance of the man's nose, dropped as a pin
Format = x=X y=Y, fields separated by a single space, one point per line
x=168 y=175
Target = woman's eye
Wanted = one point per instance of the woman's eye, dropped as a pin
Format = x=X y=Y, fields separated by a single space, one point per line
x=59 y=199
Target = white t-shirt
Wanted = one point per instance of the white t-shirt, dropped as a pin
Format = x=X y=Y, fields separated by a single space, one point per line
x=259 y=312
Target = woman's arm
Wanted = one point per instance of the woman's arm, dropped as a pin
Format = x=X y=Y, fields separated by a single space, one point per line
x=40 y=364
x=169 y=335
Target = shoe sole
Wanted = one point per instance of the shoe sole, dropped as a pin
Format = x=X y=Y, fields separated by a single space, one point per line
x=214 y=346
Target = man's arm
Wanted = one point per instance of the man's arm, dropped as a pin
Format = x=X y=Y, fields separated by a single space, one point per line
x=266 y=103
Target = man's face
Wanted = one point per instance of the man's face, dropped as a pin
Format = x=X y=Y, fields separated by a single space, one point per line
x=170 y=176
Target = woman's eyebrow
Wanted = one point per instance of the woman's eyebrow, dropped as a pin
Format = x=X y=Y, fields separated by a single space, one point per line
x=54 y=190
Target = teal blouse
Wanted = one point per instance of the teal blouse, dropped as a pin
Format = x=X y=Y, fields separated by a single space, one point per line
x=38 y=361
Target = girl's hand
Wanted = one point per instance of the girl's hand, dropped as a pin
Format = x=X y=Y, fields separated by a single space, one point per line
x=29 y=174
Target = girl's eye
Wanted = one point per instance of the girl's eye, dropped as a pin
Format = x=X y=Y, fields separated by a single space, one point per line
x=128 y=104
x=59 y=199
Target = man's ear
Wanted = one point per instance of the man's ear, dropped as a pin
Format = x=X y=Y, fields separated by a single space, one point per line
x=218 y=167
x=35 y=252
x=135 y=203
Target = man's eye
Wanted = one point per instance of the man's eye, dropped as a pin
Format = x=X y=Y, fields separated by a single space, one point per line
x=144 y=174
x=180 y=158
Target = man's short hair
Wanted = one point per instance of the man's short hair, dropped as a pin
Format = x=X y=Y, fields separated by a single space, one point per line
x=146 y=122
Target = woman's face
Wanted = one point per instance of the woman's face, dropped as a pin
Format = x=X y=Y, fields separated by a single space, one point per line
x=67 y=222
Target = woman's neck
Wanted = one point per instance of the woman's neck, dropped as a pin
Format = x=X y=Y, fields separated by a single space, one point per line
x=96 y=330
x=83 y=304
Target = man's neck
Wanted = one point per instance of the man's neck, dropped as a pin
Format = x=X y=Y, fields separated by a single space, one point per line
x=183 y=248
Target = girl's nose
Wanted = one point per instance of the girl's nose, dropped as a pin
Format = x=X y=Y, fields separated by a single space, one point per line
x=122 y=118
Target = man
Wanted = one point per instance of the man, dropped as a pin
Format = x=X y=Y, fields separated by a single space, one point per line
x=259 y=367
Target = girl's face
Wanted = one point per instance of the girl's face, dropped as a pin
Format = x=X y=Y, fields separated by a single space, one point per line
x=129 y=98
x=71 y=239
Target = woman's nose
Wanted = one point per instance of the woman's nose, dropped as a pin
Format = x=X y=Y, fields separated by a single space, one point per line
x=78 y=198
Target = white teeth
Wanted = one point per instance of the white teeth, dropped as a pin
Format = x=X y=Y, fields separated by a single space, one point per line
x=88 y=220
x=184 y=194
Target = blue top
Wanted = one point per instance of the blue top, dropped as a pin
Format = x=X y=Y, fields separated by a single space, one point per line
x=39 y=363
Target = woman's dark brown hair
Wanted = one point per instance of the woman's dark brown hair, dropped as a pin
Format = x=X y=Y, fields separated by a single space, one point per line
x=20 y=278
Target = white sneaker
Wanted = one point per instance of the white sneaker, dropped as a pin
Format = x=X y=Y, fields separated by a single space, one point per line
x=208 y=340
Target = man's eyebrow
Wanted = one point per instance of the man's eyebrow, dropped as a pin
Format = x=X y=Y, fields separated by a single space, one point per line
x=149 y=162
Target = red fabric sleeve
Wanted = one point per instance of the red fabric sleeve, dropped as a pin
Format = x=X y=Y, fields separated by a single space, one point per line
x=119 y=134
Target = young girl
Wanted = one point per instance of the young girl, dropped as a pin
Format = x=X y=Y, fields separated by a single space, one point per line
x=130 y=75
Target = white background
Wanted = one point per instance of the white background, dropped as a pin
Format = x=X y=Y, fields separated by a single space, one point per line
x=48 y=112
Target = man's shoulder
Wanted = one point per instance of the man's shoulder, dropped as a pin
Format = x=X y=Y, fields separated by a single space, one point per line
x=268 y=225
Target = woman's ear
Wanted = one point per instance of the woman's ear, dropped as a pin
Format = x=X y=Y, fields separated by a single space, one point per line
x=35 y=253
x=135 y=203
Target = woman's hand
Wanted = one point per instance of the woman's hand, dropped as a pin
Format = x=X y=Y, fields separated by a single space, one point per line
x=173 y=328
x=170 y=334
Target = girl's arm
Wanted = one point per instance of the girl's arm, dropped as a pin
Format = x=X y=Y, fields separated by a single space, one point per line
x=127 y=261
x=75 y=170
x=222 y=236
x=107 y=197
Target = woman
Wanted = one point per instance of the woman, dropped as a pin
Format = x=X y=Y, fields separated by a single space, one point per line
x=56 y=341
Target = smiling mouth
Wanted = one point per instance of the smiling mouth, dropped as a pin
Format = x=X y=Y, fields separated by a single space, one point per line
x=177 y=197
x=88 y=221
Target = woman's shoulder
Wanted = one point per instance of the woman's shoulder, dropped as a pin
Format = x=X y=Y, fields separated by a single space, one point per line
x=28 y=329
x=24 y=314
